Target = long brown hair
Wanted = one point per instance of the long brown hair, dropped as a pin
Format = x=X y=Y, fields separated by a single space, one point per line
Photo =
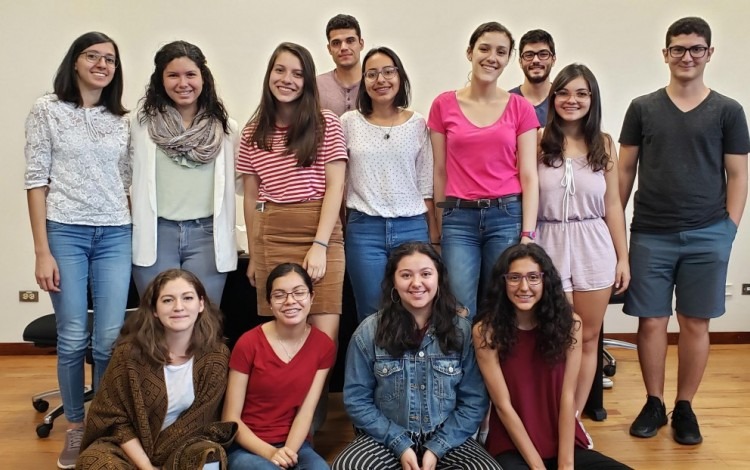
x=146 y=333
x=306 y=130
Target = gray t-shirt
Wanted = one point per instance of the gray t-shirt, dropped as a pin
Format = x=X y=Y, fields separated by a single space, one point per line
x=681 y=178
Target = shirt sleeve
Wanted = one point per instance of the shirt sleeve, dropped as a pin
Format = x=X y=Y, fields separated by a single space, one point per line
x=328 y=357
x=246 y=149
x=736 y=140
x=631 y=133
x=334 y=144
x=243 y=353
x=125 y=164
x=435 y=120
x=38 y=149
x=424 y=166
x=527 y=119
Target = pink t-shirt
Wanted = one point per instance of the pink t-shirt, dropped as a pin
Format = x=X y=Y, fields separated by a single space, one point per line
x=481 y=162
x=275 y=389
x=281 y=180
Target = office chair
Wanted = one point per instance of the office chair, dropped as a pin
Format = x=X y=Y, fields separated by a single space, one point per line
x=43 y=333
x=609 y=367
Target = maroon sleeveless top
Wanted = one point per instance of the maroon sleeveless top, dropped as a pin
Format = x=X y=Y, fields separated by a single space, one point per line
x=535 y=389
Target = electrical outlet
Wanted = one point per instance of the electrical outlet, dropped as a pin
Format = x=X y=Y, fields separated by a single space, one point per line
x=28 y=296
x=745 y=289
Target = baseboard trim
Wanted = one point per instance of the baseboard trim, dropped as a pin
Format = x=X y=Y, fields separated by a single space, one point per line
x=717 y=337
x=23 y=349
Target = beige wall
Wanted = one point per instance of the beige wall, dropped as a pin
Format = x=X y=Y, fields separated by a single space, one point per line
x=619 y=40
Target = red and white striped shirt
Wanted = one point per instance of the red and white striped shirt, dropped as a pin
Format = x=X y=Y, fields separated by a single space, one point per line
x=280 y=179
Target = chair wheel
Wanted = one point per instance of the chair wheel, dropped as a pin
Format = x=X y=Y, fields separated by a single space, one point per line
x=41 y=405
x=43 y=430
x=609 y=370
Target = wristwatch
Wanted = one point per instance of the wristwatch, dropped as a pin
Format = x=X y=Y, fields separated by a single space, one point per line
x=531 y=234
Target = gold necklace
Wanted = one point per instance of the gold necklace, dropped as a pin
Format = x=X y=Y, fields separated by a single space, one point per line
x=296 y=345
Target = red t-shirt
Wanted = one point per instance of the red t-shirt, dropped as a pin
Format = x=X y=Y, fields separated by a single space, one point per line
x=276 y=390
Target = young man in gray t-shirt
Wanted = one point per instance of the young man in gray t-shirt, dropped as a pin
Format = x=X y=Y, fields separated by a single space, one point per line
x=689 y=146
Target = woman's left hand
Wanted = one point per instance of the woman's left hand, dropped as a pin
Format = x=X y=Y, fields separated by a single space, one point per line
x=315 y=262
x=429 y=460
x=622 y=276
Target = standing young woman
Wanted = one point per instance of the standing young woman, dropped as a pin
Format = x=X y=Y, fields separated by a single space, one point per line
x=527 y=341
x=389 y=176
x=581 y=221
x=293 y=160
x=484 y=145
x=412 y=389
x=183 y=146
x=77 y=175
x=161 y=396
x=277 y=373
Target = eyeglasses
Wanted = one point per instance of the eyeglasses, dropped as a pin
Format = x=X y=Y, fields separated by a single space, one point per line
x=387 y=72
x=280 y=296
x=534 y=278
x=94 y=57
x=544 y=54
x=678 y=52
x=579 y=95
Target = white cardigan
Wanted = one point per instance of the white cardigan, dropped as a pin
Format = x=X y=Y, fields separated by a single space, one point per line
x=143 y=197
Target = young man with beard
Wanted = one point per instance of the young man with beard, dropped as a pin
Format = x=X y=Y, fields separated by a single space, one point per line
x=537 y=58
x=338 y=88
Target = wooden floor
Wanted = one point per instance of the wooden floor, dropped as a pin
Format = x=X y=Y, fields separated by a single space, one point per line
x=723 y=409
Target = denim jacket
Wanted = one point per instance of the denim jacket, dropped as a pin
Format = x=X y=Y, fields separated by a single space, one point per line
x=423 y=392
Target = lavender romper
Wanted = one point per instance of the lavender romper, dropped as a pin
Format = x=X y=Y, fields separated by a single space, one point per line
x=571 y=225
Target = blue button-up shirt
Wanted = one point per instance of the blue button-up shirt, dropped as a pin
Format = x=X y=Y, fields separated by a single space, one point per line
x=423 y=392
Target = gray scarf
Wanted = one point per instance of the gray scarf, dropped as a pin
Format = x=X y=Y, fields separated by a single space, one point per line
x=193 y=147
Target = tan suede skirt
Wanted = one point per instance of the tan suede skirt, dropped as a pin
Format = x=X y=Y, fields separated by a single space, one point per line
x=283 y=233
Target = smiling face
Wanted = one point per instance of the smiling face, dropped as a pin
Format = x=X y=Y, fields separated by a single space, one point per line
x=524 y=296
x=97 y=75
x=290 y=299
x=536 y=70
x=183 y=83
x=381 y=90
x=416 y=282
x=687 y=68
x=490 y=56
x=178 y=306
x=345 y=47
x=286 y=80
x=573 y=101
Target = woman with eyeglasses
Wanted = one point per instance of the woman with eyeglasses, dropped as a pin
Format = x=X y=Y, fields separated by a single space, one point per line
x=389 y=175
x=528 y=345
x=581 y=221
x=412 y=387
x=77 y=175
x=485 y=181
x=183 y=146
x=293 y=160
x=276 y=376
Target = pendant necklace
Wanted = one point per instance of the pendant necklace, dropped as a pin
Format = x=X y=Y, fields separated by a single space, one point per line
x=296 y=345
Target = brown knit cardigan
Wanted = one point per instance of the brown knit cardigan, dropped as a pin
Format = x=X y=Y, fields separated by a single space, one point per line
x=132 y=402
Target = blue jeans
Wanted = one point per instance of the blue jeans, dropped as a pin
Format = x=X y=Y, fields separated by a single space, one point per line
x=88 y=257
x=369 y=241
x=472 y=240
x=307 y=459
x=188 y=245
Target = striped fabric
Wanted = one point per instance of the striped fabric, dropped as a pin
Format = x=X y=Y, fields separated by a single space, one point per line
x=280 y=179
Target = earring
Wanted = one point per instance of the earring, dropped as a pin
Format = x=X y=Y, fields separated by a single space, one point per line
x=397 y=299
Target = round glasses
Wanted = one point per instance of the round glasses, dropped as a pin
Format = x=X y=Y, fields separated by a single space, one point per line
x=579 y=95
x=678 y=52
x=280 y=296
x=387 y=72
x=95 y=57
x=534 y=278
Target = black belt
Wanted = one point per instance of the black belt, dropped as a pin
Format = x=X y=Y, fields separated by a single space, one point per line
x=478 y=203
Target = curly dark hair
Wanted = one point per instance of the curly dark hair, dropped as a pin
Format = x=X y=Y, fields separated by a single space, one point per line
x=554 y=314
x=396 y=329
x=553 y=139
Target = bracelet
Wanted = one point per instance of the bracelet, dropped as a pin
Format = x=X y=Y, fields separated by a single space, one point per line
x=318 y=242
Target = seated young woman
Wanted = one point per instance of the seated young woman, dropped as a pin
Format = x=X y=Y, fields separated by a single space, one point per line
x=412 y=387
x=276 y=375
x=528 y=346
x=159 y=402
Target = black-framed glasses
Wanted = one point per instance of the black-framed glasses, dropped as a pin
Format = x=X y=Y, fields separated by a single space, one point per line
x=280 y=296
x=544 y=54
x=95 y=57
x=387 y=72
x=579 y=95
x=534 y=278
x=678 y=52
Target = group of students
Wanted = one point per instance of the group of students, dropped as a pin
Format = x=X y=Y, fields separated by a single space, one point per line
x=530 y=221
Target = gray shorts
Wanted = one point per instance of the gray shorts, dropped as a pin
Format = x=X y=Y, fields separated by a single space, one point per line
x=691 y=264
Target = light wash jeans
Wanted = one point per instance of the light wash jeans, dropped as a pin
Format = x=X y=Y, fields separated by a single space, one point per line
x=188 y=245
x=307 y=459
x=369 y=241
x=472 y=240
x=98 y=258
